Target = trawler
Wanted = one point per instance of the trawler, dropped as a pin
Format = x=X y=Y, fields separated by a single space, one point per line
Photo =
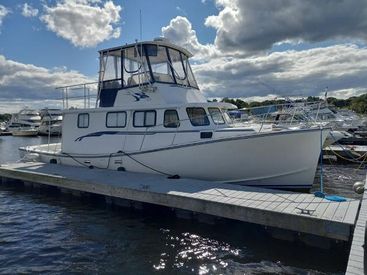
x=151 y=117
x=24 y=119
x=51 y=122
x=24 y=123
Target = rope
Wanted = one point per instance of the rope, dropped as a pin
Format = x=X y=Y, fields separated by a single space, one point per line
x=123 y=154
x=147 y=166
x=352 y=159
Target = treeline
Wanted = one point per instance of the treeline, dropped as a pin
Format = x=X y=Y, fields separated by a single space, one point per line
x=4 y=117
x=355 y=103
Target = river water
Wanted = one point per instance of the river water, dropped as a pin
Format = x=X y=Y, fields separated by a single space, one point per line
x=50 y=233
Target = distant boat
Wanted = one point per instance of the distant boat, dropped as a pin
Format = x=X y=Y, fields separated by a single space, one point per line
x=51 y=122
x=25 y=132
x=24 y=119
x=2 y=127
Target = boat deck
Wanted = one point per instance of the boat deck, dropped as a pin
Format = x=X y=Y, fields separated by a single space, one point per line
x=299 y=212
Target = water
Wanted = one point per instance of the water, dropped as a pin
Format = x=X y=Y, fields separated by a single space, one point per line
x=50 y=233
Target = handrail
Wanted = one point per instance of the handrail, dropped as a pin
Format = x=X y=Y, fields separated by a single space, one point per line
x=298 y=112
x=75 y=85
x=86 y=96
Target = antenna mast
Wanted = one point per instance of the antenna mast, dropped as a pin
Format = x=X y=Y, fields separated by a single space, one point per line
x=141 y=27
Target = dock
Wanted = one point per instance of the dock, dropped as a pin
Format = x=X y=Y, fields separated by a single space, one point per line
x=299 y=213
x=357 y=254
x=354 y=153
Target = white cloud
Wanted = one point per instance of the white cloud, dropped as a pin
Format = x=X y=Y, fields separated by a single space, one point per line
x=252 y=25
x=15 y=105
x=29 y=82
x=29 y=11
x=180 y=32
x=289 y=73
x=3 y=12
x=85 y=23
x=344 y=93
x=241 y=68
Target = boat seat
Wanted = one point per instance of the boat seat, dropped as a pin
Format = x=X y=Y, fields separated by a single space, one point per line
x=111 y=84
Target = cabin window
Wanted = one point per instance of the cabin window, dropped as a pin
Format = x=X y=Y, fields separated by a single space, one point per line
x=216 y=115
x=111 y=65
x=83 y=120
x=116 y=119
x=135 y=67
x=171 y=119
x=144 y=118
x=197 y=116
x=177 y=66
x=190 y=76
x=161 y=67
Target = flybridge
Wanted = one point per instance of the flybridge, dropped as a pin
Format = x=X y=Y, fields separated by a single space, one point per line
x=142 y=64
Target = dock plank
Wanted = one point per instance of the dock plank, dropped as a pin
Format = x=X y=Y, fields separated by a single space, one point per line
x=287 y=202
x=295 y=202
x=330 y=210
x=356 y=255
x=322 y=206
x=341 y=211
x=269 y=200
x=350 y=216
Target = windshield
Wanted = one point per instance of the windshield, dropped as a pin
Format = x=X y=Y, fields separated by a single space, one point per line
x=227 y=116
x=143 y=64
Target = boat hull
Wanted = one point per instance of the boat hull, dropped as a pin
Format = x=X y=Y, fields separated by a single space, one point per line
x=25 y=133
x=286 y=160
x=53 y=130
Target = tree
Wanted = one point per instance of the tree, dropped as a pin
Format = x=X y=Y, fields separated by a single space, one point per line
x=355 y=103
x=5 y=117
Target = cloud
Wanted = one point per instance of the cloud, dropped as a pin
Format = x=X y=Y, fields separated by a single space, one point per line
x=3 y=12
x=85 y=23
x=252 y=25
x=29 y=11
x=289 y=73
x=241 y=71
x=181 y=10
x=180 y=32
x=29 y=82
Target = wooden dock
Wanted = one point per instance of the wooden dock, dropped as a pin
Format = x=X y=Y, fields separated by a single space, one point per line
x=356 y=262
x=295 y=212
x=347 y=152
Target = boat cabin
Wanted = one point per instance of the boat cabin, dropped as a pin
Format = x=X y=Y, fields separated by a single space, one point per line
x=147 y=97
x=137 y=69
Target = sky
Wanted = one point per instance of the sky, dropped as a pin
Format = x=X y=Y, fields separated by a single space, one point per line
x=248 y=49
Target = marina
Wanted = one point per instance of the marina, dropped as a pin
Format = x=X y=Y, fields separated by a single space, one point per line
x=197 y=137
x=154 y=144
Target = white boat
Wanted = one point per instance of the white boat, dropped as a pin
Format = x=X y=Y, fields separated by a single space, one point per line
x=51 y=122
x=151 y=117
x=2 y=127
x=300 y=115
x=25 y=132
x=24 y=119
